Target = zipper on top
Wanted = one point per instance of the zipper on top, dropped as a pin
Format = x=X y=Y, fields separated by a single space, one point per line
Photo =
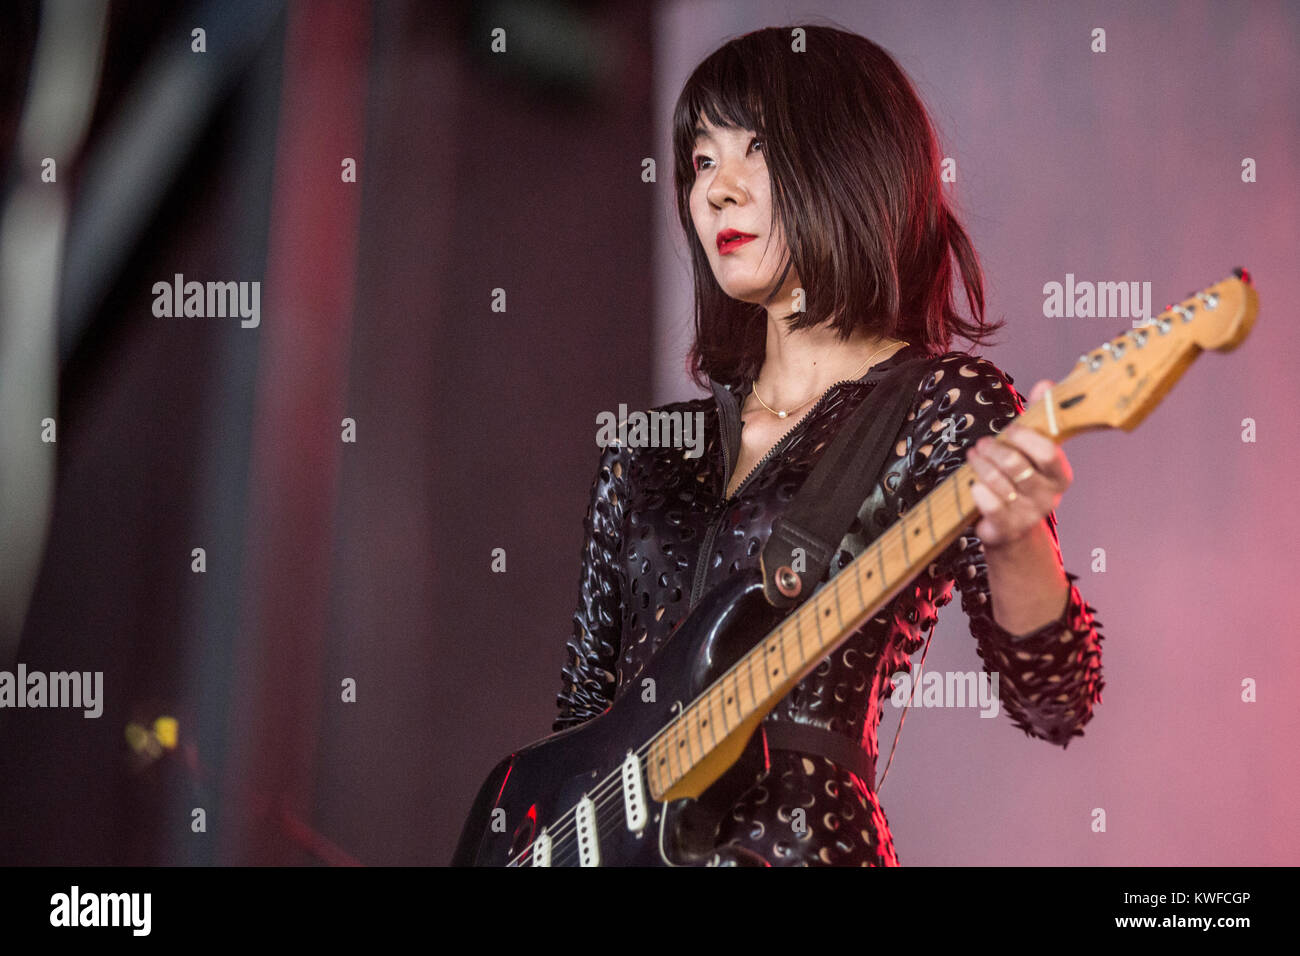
x=706 y=548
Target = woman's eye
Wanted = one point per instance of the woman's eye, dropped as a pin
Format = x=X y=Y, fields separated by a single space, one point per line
x=700 y=158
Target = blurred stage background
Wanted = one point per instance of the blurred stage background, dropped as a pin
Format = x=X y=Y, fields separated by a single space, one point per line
x=475 y=429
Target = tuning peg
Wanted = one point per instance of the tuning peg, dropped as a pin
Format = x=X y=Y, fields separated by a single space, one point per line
x=1242 y=274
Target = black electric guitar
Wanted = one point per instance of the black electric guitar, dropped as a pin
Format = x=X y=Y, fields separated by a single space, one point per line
x=645 y=784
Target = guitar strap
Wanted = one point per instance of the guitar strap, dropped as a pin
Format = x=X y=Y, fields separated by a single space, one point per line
x=819 y=515
x=816 y=521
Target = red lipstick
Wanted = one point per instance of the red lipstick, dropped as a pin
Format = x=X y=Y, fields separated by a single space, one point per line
x=730 y=240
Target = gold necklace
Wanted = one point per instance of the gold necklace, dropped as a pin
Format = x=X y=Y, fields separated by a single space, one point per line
x=784 y=414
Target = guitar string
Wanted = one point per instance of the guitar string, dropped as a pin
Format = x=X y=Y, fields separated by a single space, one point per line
x=560 y=836
x=886 y=547
x=606 y=816
x=601 y=795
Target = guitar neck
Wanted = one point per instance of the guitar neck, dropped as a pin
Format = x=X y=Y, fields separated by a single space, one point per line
x=734 y=704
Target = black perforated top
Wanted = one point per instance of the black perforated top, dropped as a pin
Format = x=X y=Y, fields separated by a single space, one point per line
x=652 y=512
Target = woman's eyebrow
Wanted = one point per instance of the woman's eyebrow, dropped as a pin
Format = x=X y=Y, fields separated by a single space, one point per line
x=702 y=133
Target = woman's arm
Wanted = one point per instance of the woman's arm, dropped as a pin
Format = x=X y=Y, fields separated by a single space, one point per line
x=1049 y=679
x=1043 y=643
x=1027 y=582
x=1021 y=481
x=589 y=675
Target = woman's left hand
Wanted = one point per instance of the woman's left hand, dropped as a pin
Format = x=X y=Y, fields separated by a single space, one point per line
x=1028 y=468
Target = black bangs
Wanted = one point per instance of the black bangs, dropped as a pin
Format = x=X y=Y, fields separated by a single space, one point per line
x=723 y=92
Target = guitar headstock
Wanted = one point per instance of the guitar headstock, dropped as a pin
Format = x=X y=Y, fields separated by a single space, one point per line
x=1120 y=382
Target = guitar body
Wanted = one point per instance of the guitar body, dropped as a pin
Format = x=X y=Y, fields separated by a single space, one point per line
x=538 y=787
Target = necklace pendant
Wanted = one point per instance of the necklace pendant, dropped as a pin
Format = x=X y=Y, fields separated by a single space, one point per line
x=782 y=414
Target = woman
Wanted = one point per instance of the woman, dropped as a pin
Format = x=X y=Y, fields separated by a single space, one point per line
x=807 y=174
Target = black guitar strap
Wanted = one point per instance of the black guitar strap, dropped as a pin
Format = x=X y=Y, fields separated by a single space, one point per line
x=816 y=521
x=806 y=536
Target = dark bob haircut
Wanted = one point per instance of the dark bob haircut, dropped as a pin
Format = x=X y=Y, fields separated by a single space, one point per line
x=855 y=182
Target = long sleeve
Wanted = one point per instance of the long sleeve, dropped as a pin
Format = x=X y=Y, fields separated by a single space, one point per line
x=588 y=675
x=1049 y=679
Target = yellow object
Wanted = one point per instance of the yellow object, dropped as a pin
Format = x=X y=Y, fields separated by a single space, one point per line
x=137 y=737
x=165 y=729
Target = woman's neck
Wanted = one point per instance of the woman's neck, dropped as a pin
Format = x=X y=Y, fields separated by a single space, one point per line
x=799 y=364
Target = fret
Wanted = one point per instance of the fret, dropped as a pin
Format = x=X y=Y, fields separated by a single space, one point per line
x=735 y=682
x=929 y=517
x=902 y=530
x=771 y=657
x=715 y=691
x=709 y=718
x=749 y=666
x=862 y=596
x=684 y=758
x=798 y=634
x=721 y=690
x=781 y=635
x=859 y=605
x=880 y=554
x=684 y=724
x=673 y=755
x=763 y=664
x=857 y=579
x=699 y=733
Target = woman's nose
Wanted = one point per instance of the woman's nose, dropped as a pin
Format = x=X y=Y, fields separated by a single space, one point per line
x=728 y=185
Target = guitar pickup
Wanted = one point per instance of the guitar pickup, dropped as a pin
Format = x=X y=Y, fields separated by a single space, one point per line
x=542 y=849
x=588 y=842
x=634 y=802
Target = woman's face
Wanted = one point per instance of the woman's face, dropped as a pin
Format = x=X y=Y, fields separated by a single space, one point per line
x=732 y=190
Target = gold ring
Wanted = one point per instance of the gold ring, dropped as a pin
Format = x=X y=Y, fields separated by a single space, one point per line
x=1023 y=475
